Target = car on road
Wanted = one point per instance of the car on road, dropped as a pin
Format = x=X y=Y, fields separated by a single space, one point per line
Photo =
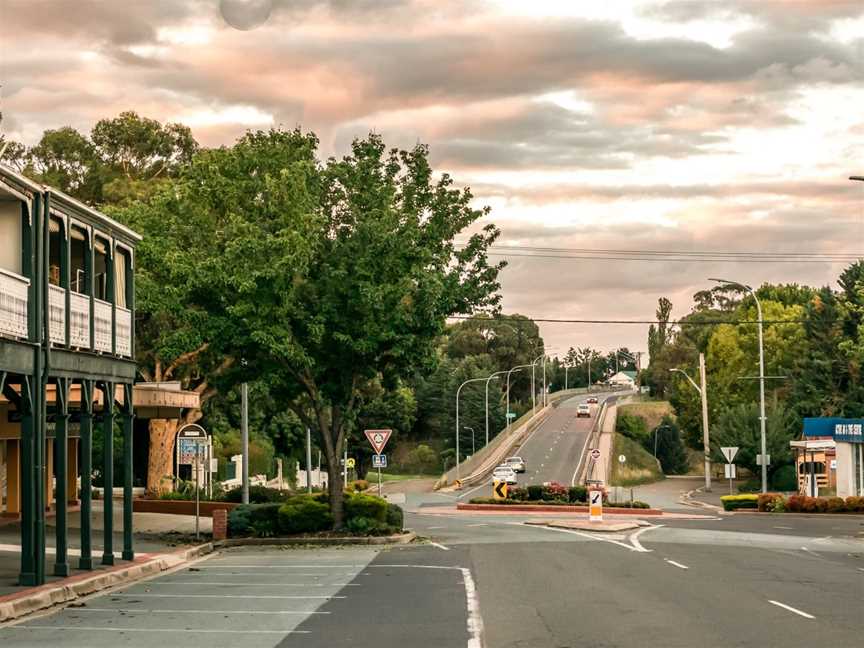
x=591 y=400
x=516 y=463
x=583 y=409
x=504 y=473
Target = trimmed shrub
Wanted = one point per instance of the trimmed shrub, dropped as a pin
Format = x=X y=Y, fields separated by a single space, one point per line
x=855 y=504
x=395 y=517
x=362 y=525
x=359 y=485
x=577 y=494
x=795 y=503
x=771 y=503
x=784 y=479
x=517 y=493
x=259 y=520
x=733 y=502
x=367 y=506
x=304 y=515
x=535 y=492
x=555 y=492
x=238 y=521
x=257 y=495
x=835 y=505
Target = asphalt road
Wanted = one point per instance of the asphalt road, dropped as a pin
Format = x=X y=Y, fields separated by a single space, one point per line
x=490 y=580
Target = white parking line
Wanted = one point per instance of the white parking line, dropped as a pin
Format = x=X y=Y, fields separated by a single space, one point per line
x=791 y=609
x=132 y=611
x=187 y=630
x=676 y=564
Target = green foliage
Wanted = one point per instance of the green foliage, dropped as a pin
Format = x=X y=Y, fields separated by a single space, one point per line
x=784 y=479
x=535 y=492
x=733 y=502
x=640 y=468
x=304 y=515
x=257 y=495
x=423 y=459
x=577 y=494
x=771 y=502
x=739 y=426
x=366 y=506
x=259 y=520
x=395 y=517
x=632 y=426
x=359 y=485
x=670 y=449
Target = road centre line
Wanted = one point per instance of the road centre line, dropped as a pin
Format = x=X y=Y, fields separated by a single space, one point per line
x=183 y=612
x=784 y=528
x=475 y=621
x=229 y=596
x=440 y=546
x=477 y=525
x=861 y=569
x=186 y=630
x=676 y=564
x=436 y=527
x=791 y=609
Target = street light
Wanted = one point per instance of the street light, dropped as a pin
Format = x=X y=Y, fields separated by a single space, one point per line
x=473 y=447
x=517 y=368
x=458 y=460
x=494 y=375
x=703 y=394
x=763 y=439
x=533 y=391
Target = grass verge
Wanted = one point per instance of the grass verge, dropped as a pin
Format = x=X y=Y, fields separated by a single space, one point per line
x=640 y=468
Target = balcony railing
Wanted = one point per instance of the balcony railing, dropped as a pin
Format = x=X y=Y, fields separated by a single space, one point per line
x=57 y=314
x=79 y=320
x=124 y=331
x=102 y=326
x=13 y=304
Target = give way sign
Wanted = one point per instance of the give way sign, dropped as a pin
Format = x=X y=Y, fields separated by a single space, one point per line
x=378 y=439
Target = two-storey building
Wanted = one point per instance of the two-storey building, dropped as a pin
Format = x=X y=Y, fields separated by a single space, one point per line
x=66 y=365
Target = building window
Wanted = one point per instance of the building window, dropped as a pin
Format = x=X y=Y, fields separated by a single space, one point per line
x=78 y=266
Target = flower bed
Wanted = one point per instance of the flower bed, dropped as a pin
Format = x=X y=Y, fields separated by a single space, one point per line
x=779 y=503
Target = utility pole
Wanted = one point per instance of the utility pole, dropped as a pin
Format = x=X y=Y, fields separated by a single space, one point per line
x=308 y=460
x=703 y=395
x=244 y=439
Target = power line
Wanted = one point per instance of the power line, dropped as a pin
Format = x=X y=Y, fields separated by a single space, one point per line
x=586 y=257
x=612 y=321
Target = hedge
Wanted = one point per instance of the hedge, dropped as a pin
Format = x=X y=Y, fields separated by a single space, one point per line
x=636 y=504
x=745 y=501
x=257 y=495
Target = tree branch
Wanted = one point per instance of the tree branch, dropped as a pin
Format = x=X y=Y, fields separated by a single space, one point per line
x=184 y=358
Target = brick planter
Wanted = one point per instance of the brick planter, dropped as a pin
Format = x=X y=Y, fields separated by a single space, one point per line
x=552 y=508
x=180 y=507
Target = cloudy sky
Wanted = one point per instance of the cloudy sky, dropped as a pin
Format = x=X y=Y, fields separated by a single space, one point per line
x=679 y=126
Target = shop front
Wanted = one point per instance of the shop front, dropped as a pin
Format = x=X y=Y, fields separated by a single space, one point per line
x=848 y=438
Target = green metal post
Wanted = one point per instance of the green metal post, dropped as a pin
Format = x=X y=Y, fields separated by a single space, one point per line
x=108 y=473
x=128 y=420
x=86 y=560
x=28 y=479
x=61 y=462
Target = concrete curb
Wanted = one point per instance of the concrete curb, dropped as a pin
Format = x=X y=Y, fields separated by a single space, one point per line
x=686 y=500
x=521 y=508
x=398 y=539
x=32 y=600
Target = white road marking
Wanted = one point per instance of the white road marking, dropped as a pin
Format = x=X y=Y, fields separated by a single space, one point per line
x=590 y=536
x=785 y=528
x=634 y=538
x=440 y=546
x=184 y=630
x=224 y=583
x=268 y=567
x=861 y=569
x=436 y=527
x=478 y=525
x=230 y=596
x=677 y=564
x=811 y=552
x=183 y=612
x=475 y=621
x=791 y=609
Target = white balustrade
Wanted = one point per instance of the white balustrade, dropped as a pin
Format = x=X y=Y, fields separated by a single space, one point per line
x=79 y=320
x=13 y=304
x=124 y=331
x=57 y=314
x=102 y=325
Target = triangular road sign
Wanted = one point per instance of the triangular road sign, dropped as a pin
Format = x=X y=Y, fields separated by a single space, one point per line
x=729 y=453
x=378 y=439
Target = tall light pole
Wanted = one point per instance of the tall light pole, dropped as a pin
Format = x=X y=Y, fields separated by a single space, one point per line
x=494 y=375
x=458 y=459
x=533 y=391
x=703 y=393
x=473 y=447
x=763 y=439
x=517 y=368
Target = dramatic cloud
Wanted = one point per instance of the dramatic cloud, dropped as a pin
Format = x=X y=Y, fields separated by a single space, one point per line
x=659 y=125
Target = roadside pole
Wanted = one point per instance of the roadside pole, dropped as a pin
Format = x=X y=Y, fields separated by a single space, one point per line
x=197 y=491
x=308 y=460
x=244 y=439
x=707 y=446
x=379 y=480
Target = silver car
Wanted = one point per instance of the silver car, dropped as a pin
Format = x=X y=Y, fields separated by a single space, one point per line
x=516 y=463
x=505 y=474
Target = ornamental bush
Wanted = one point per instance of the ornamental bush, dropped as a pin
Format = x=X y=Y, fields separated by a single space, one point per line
x=734 y=502
x=577 y=494
x=535 y=492
x=555 y=492
x=359 y=485
x=855 y=504
x=771 y=503
x=835 y=505
x=517 y=493
x=304 y=515
x=258 y=520
x=395 y=517
x=367 y=506
x=257 y=495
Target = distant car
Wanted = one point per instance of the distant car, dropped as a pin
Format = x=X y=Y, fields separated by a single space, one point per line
x=516 y=463
x=591 y=400
x=583 y=409
x=505 y=474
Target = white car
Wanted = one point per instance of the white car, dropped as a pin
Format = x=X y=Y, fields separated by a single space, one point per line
x=583 y=409
x=516 y=463
x=505 y=474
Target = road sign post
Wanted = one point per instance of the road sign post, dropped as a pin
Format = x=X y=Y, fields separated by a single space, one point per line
x=379 y=461
x=729 y=452
x=378 y=439
x=595 y=505
x=193 y=442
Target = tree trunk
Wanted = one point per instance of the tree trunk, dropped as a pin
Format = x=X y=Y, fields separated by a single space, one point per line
x=335 y=487
x=160 y=460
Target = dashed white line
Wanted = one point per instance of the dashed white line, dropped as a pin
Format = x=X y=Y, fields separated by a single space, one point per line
x=676 y=564
x=792 y=609
x=785 y=528
x=436 y=527
x=475 y=621
x=440 y=546
x=478 y=525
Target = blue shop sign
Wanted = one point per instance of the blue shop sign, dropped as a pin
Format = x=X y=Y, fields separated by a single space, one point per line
x=840 y=429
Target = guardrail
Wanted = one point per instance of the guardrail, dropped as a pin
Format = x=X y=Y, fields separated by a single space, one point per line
x=581 y=472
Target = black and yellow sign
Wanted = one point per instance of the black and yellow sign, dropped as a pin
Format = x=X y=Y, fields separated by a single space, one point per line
x=499 y=489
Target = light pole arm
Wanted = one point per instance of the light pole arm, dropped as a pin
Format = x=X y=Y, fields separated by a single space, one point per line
x=692 y=382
